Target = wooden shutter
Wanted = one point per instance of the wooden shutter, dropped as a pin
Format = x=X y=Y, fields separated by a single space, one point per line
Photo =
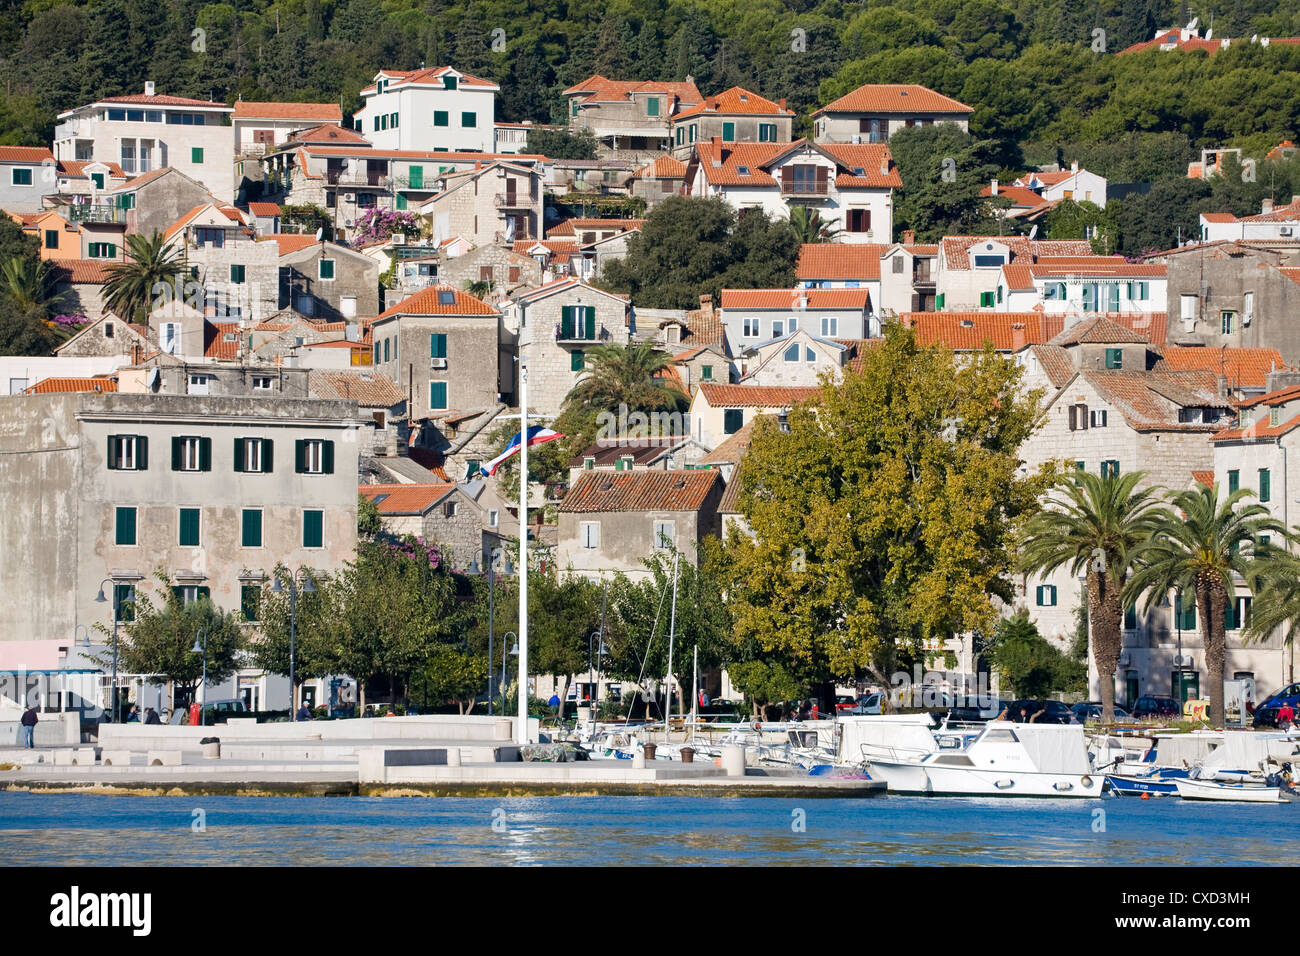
x=1083 y=416
x=205 y=454
x=267 y=447
x=787 y=177
x=327 y=458
x=239 y=454
x=1074 y=418
x=591 y=321
x=821 y=179
x=112 y=449
x=176 y=454
x=300 y=456
x=141 y=453
x=566 y=322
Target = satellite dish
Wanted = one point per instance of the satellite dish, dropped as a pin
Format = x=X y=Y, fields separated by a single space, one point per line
x=320 y=234
x=1209 y=34
x=1033 y=232
x=1192 y=25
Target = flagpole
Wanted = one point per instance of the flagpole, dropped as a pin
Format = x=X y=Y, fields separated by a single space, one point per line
x=521 y=731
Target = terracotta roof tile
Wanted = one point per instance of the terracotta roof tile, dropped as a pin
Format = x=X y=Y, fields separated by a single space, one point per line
x=1019 y=195
x=264 y=208
x=968 y=331
x=642 y=450
x=78 y=167
x=428 y=75
x=894 y=98
x=874 y=159
x=641 y=491
x=1257 y=430
x=50 y=385
x=1095 y=266
x=1055 y=363
x=1276 y=397
x=1204 y=477
x=405 y=499
x=78 y=271
x=25 y=154
x=840 y=260
x=663 y=167
x=1151 y=400
x=757 y=396
x=430 y=301
x=217 y=343
x=318 y=112
x=783 y=299
x=1098 y=330
x=288 y=242
x=327 y=133
x=367 y=389
x=1241 y=367
x=735 y=101
x=160 y=99
x=956 y=248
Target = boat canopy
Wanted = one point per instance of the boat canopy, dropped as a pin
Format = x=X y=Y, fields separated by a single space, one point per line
x=1054 y=748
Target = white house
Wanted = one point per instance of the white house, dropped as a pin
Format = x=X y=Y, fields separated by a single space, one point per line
x=1081 y=285
x=874 y=112
x=719 y=411
x=261 y=127
x=1273 y=222
x=147 y=132
x=753 y=316
x=1073 y=183
x=969 y=267
x=438 y=108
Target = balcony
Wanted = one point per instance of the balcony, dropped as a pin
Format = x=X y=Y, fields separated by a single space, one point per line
x=515 y=201
x=514 y=237
x=349 y=180
x=94 y=212
x=813 y=192
x=923 y=278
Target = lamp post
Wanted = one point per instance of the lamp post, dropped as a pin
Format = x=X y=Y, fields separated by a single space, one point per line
x=117 y=614
x=505 y=654
x=490 y=571
x=1178 y=613
x=203 y=635
x=279 y=588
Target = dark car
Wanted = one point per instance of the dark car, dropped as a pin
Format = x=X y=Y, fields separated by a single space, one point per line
x=1091 y=710
x=1159 y=707
x=1048 y=711
x=1287 y=695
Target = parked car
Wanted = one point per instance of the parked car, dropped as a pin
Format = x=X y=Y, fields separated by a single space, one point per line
x=866 y=704
x=1091 y=710
x=1287 y=695
x=1049 y=711
x=1157 y=707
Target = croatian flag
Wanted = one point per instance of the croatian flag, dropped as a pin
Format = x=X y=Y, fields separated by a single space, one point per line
x=537 y=435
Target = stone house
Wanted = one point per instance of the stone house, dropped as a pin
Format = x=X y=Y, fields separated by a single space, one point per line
x=163 y=374
x=874 y=112
x=629 y=118
x=327 y=281
x=612 y=522
x=82 y=280
x=239 y=276
x=507 y=270
x=734 y=116
x=719 y=411
x=442 y=514
x=664 y=453
x=445 y=349
x=150 y=202
x=108 y=336
x=497 y=203
x=658 y=179
x=558 y=322
x=264 y=217
x=798 y=360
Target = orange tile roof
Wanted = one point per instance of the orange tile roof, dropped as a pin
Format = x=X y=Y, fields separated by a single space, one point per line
x=289 y=242
x=874 y=159
x=783 y=299
x=427 y=302
x=406 y=499
x=405 y=77
x=732 y=158
x=1098 y=330
x=1055 y=362
x=561 y=285
x=1095 y=266
x=321 y=112
x=1018 y=277
x=78 y=167
x=327 y=132
x=1241 y=367
x=555 y=247
x=1277 y=397
x=571 y=227
x=50 y=385
x=757 y=396
x=264 y=208
x=160 y=99
x=735 y=101
x=956 y=248
x=215 y=344
x=603 y=90
x=25 y=154
x=966 y=331
x=1019 y=195
x=840 y=260
x=1288 y=213
x=641 y=491
x=1204 y=477
x=1259 y=429
x=1218 y=217
x=77 y=271
x=894 y=98
x=663 y=167
x=1145 y=398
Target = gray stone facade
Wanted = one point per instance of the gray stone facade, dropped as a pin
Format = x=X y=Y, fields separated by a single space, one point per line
x=352 y=292
x=505 y=269
x=471 y=369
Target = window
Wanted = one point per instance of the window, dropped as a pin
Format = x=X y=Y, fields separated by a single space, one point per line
x=1114 y=358
x=751 y=328
x=124 y=527
x=236 y=274
x=767 y=132
x=1078 y=417
x=101 y=250
x=986 y=300
x=383 y=121
x=128 y=452
x=189 y=528
x=732 y=420
x=1248 y=308
x=313 y=529
x=577 y=360
x=253 y=455
x=1234 y=480
x=728 y=132
x=706 y=373
x=1110 y=468
x=437 y=395
x=663 y=534
x=1139 y=291
x=859 y=220
x=1130 y=618
x=191 y=454
x=830 y=326
x=97 y=179
x=494 y=518
x=210 y=237
x=999 y=293
x=692 y=130
x=1188 y=305
x=313 y=456
x=439 y=117
x=22 y=177
x=51 y=238
x=652 y=108
x=387 y=357
x=1274 y=417
x=196 y=155
x=1184 y=617
x=578 y=322
x=262 y=383
x=990 y=262
x=468 y=120
x=108 y=330
x=449 y=509
x=250 y=596
x=792 y=353
x=250 y=528
x=327 y=269
x=123 y=603
x=1099 y=418
x=449 y=82
x=392 y=120
x=1226 y=321
x=1236 y=614
x=1046 y=595
x=778 y=329
x=1265 y=485
x=1079 y=466
x=589 y=532
x=437 y=345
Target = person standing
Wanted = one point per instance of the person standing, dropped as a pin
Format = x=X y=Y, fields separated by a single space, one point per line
x=1285 y=716
x=29 y=720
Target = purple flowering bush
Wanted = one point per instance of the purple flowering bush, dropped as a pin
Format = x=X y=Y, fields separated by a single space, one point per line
x=376 y=225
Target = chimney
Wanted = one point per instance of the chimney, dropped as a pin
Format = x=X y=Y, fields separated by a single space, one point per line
x=1266 y=206
x=1017 y=336
x=706 y=306
x=781 y=103
x=994 y=187
x=689 y=78
x=909 y=237
x=1074 y=166
x=148 y=88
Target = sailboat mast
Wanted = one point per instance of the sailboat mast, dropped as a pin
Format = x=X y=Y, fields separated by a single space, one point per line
x=521 y=731
x=672 y=628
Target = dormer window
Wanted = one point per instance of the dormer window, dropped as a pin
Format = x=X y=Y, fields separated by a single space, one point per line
x=449 y=82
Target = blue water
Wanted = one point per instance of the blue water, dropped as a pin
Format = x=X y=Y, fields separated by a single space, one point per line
x=103 y=830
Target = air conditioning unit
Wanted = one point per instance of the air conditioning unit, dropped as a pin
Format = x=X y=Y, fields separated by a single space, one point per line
x=1284 y=231
x=857 y=139
x=349 y=197
x=1184 y=661
x=438 y=363
x=399 y=239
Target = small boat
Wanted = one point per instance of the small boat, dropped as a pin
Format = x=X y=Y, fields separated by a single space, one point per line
x=1193 y=789
x=1158 y=782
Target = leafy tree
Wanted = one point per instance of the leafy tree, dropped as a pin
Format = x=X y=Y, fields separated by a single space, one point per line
x=1071 y=220
x=1198 y=550
x=563 y=144
x=133 y=285
x=564 y=610
x=930 y=204
x=765 y=684
x=160 y=641
x=633 y=375
x=317 y=630
x=309 y=218
x=1031 y=664
x=369 y=522
x=906 y=481
x=451 y=675
x=1101 y=524
x=1158 y=219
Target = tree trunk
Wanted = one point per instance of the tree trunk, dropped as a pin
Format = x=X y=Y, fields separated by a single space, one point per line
x=1105 y=624
x=1211 y=601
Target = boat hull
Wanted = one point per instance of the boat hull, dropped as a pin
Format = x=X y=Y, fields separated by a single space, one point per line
x=907 y=778
x=1228 y=792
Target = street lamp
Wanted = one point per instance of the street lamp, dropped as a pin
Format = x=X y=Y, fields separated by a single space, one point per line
x=513 y=652
x=203 y=634
x=117 y=614
x=279 y=588
x=490 y=571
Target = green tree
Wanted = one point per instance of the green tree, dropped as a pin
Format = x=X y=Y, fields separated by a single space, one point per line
x=562 y=144
x=943 y=169
x=1101 y=524
x=451 y=674
x=809 y=226
x=149 y=273
x=30 y=286
x=160 y=641
x=1198 y=550
x=631 y=375
x=1072 y=220
x=317 y=631
x=905 y=480
x=765 y=684
x=1275 y=581
x=564 y=610
x=1030 y=663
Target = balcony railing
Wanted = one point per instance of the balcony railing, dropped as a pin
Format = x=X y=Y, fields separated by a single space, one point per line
x=805 y=190
x=515 y=237
x=94 y=212
x=515 y=201
x=341 y=177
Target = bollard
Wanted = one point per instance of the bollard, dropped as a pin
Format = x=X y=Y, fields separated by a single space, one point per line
x=688 y=755
x=638 y=760
x=649 y=751
x=733 y=760
x=211 y=747
x=453 y=756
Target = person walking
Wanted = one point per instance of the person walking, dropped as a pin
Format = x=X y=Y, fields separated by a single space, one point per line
x=29 y=721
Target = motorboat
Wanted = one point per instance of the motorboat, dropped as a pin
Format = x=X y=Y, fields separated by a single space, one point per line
x=899 y=737
x=1239 y=792
x=1004 y=759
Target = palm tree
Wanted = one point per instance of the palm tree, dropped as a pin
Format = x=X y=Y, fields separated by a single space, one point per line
x=479 y=288
x=133 y=285
x=1198 y=551
x=809 y=226
x=30 y=285
x=1101 y=523
x=1276 y=583
x=633 y=375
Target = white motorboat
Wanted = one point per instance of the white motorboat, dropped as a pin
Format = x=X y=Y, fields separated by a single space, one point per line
x=1005 y=759
x=898 y=737
x=1192 y=789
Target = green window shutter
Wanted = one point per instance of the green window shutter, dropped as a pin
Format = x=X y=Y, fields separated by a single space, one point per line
x=112 y=253
x=196 y=155
x=439 y=117
x=203 y=594
x=706 y=373
x=327 y=268
x=1130 y=618
x=450 y=82
x=97 y=179
x=250 y=532
x=268 y=449
x=437 y=345
x=1229 y=616
x=732 y=420
x=566 y=322
x=125 y=530
x=300 y=456
x=416 y=177
x=577 y=360
x=400 y=201
x=468 y=120
x=437 y=395
x=176 y=454
x=205 y=454
x=113 y=442
x=189 y=528
x=327 y=458
x=728 y=132
x=1265 y=485
x=141 y=453
x=591 y=321
x=239 y=454
x=249 y=596
x=313 y=529
x=681 y=135
x=652 y=106
x=1234 y=481
x=1185 y=613
x=1114 y=358
x=1113 y=302
x=236 y=274
x=938 y=301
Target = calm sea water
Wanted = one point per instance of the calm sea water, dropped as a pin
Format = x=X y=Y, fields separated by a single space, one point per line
x=102 y=830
